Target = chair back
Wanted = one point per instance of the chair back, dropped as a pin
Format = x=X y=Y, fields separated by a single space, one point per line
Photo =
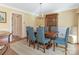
x=40 y=34
x=30 y=33
x=67 y=34
x=27 y=29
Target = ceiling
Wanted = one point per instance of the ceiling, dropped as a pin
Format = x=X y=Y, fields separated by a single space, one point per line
x=45 y=7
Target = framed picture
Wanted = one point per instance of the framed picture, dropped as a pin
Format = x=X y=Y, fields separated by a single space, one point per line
x=2 y=17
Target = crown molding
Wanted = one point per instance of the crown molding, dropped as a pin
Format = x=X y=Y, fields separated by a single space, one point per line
x=62 y=10
x=35 y=14
x=17 y=9
x=65 y=9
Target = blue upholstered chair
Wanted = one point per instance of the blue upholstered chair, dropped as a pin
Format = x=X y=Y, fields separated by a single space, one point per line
x=31 y=35
x=62 y=41
x=27 y=29
x=41 y=38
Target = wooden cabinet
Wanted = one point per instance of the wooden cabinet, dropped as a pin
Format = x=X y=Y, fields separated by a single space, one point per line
x=51 y=20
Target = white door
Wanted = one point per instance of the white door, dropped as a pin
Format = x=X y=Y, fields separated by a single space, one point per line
x=17 y=25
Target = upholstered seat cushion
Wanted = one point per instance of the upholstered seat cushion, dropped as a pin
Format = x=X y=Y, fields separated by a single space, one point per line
x=60 y=41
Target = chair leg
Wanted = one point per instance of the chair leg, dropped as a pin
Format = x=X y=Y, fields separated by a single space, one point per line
x=29 y=43
x=66 y=50
x=37 y=46
x=54 y=46
x=27 y=39
x=34 y=45
x=44 y=48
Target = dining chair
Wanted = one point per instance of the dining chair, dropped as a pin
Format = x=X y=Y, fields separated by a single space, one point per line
x=31 y=36
x=62 y=41
x=41 y=38
x=27 y=29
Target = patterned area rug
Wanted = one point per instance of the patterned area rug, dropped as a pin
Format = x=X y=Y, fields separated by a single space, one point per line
x=21 y=48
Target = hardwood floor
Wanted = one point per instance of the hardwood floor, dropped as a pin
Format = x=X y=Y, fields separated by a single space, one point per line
x=11 y=52
x=77 y=52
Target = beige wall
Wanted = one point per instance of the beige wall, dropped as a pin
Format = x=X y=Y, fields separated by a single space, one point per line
x=27 y=18
x=39 y=22
x=77 y=16
x=67 y=18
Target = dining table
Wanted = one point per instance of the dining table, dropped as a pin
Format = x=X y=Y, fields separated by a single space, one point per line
x=51 y=36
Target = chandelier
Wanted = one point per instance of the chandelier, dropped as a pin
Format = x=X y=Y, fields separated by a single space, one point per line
x=40 y=16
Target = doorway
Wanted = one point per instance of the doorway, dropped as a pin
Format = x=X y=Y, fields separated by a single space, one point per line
x=16 y=26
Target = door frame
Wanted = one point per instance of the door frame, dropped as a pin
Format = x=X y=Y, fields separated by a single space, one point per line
x=12 y=23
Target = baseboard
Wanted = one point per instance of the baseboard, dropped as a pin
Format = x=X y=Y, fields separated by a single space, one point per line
x=72 y=43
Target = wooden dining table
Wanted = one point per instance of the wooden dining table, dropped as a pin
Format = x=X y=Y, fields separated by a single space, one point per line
x=51 y=35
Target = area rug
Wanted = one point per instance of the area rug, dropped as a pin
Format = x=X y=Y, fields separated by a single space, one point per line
x=21 y=48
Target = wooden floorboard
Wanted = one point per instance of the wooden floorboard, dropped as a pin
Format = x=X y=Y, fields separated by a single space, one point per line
x=11 y=52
